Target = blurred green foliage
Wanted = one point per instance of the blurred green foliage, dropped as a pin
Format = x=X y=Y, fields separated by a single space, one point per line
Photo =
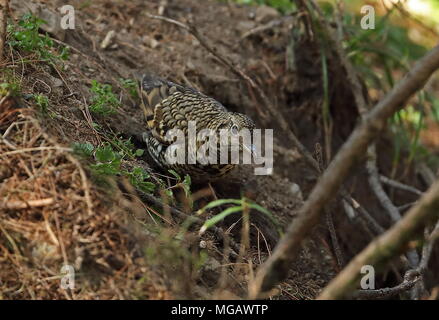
x=382 y=56
x=402 y=35
x=284 y=6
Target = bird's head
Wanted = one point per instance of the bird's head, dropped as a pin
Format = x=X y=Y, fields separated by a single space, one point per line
x=239 y=121
x=240 y=125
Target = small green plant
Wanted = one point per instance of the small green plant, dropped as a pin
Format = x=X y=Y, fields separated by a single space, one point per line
x=184 y=184
x=26 y=37
x=83 y=149
x=104 y=101
x=380 y=56
x=108 y=163
x=126 y=148
x=131 y=86
x=12 y=88
x=137 y=178
x=239 y=205
x=42 y=102
x=391 y=51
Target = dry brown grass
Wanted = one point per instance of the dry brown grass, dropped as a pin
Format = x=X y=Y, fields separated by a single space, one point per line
x=51 y=215
x=52 y=212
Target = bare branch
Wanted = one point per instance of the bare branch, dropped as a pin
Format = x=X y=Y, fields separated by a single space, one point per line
x=427 y=249
x=411 y=277
x=277 y=266
x=363 y=107
x=377 y=188
x=406 y=206
x=371 y=222
x=399 y=185
x=387 y=245
x=337 y=249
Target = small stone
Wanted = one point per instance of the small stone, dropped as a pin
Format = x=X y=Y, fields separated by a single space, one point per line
x=56 y=82
x=150 y=42
x=295 y=190
x=190 y=65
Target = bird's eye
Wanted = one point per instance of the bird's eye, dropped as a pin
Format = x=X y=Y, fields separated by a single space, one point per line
x=234 y=130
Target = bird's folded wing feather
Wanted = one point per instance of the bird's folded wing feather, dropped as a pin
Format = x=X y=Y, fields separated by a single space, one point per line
x=172 y=106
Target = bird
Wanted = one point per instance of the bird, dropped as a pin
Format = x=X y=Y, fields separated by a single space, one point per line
x=168 y=105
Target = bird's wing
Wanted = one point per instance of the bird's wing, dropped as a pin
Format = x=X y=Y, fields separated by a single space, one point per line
x=168 y=105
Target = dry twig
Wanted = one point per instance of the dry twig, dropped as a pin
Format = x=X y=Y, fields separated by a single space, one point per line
x=265 y=27
x=411 y=277
x=399 y=185
x=26 y=204
x=387 y=245
x=374 y=178
x=375 y=184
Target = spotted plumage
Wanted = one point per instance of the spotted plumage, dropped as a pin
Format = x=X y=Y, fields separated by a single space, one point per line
x=167 y=106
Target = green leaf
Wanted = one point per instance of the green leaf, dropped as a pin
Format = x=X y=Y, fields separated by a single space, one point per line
x=137 y=178
x=104 y=101
x=169 y=193
x=219 y=202
x=140 y=173
x=175 y=174
x=212 y=221
x=131 y=86
x=109 y=169
x=105 y=154
x=147 y=187
x=83 y=149
x=187 y=180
